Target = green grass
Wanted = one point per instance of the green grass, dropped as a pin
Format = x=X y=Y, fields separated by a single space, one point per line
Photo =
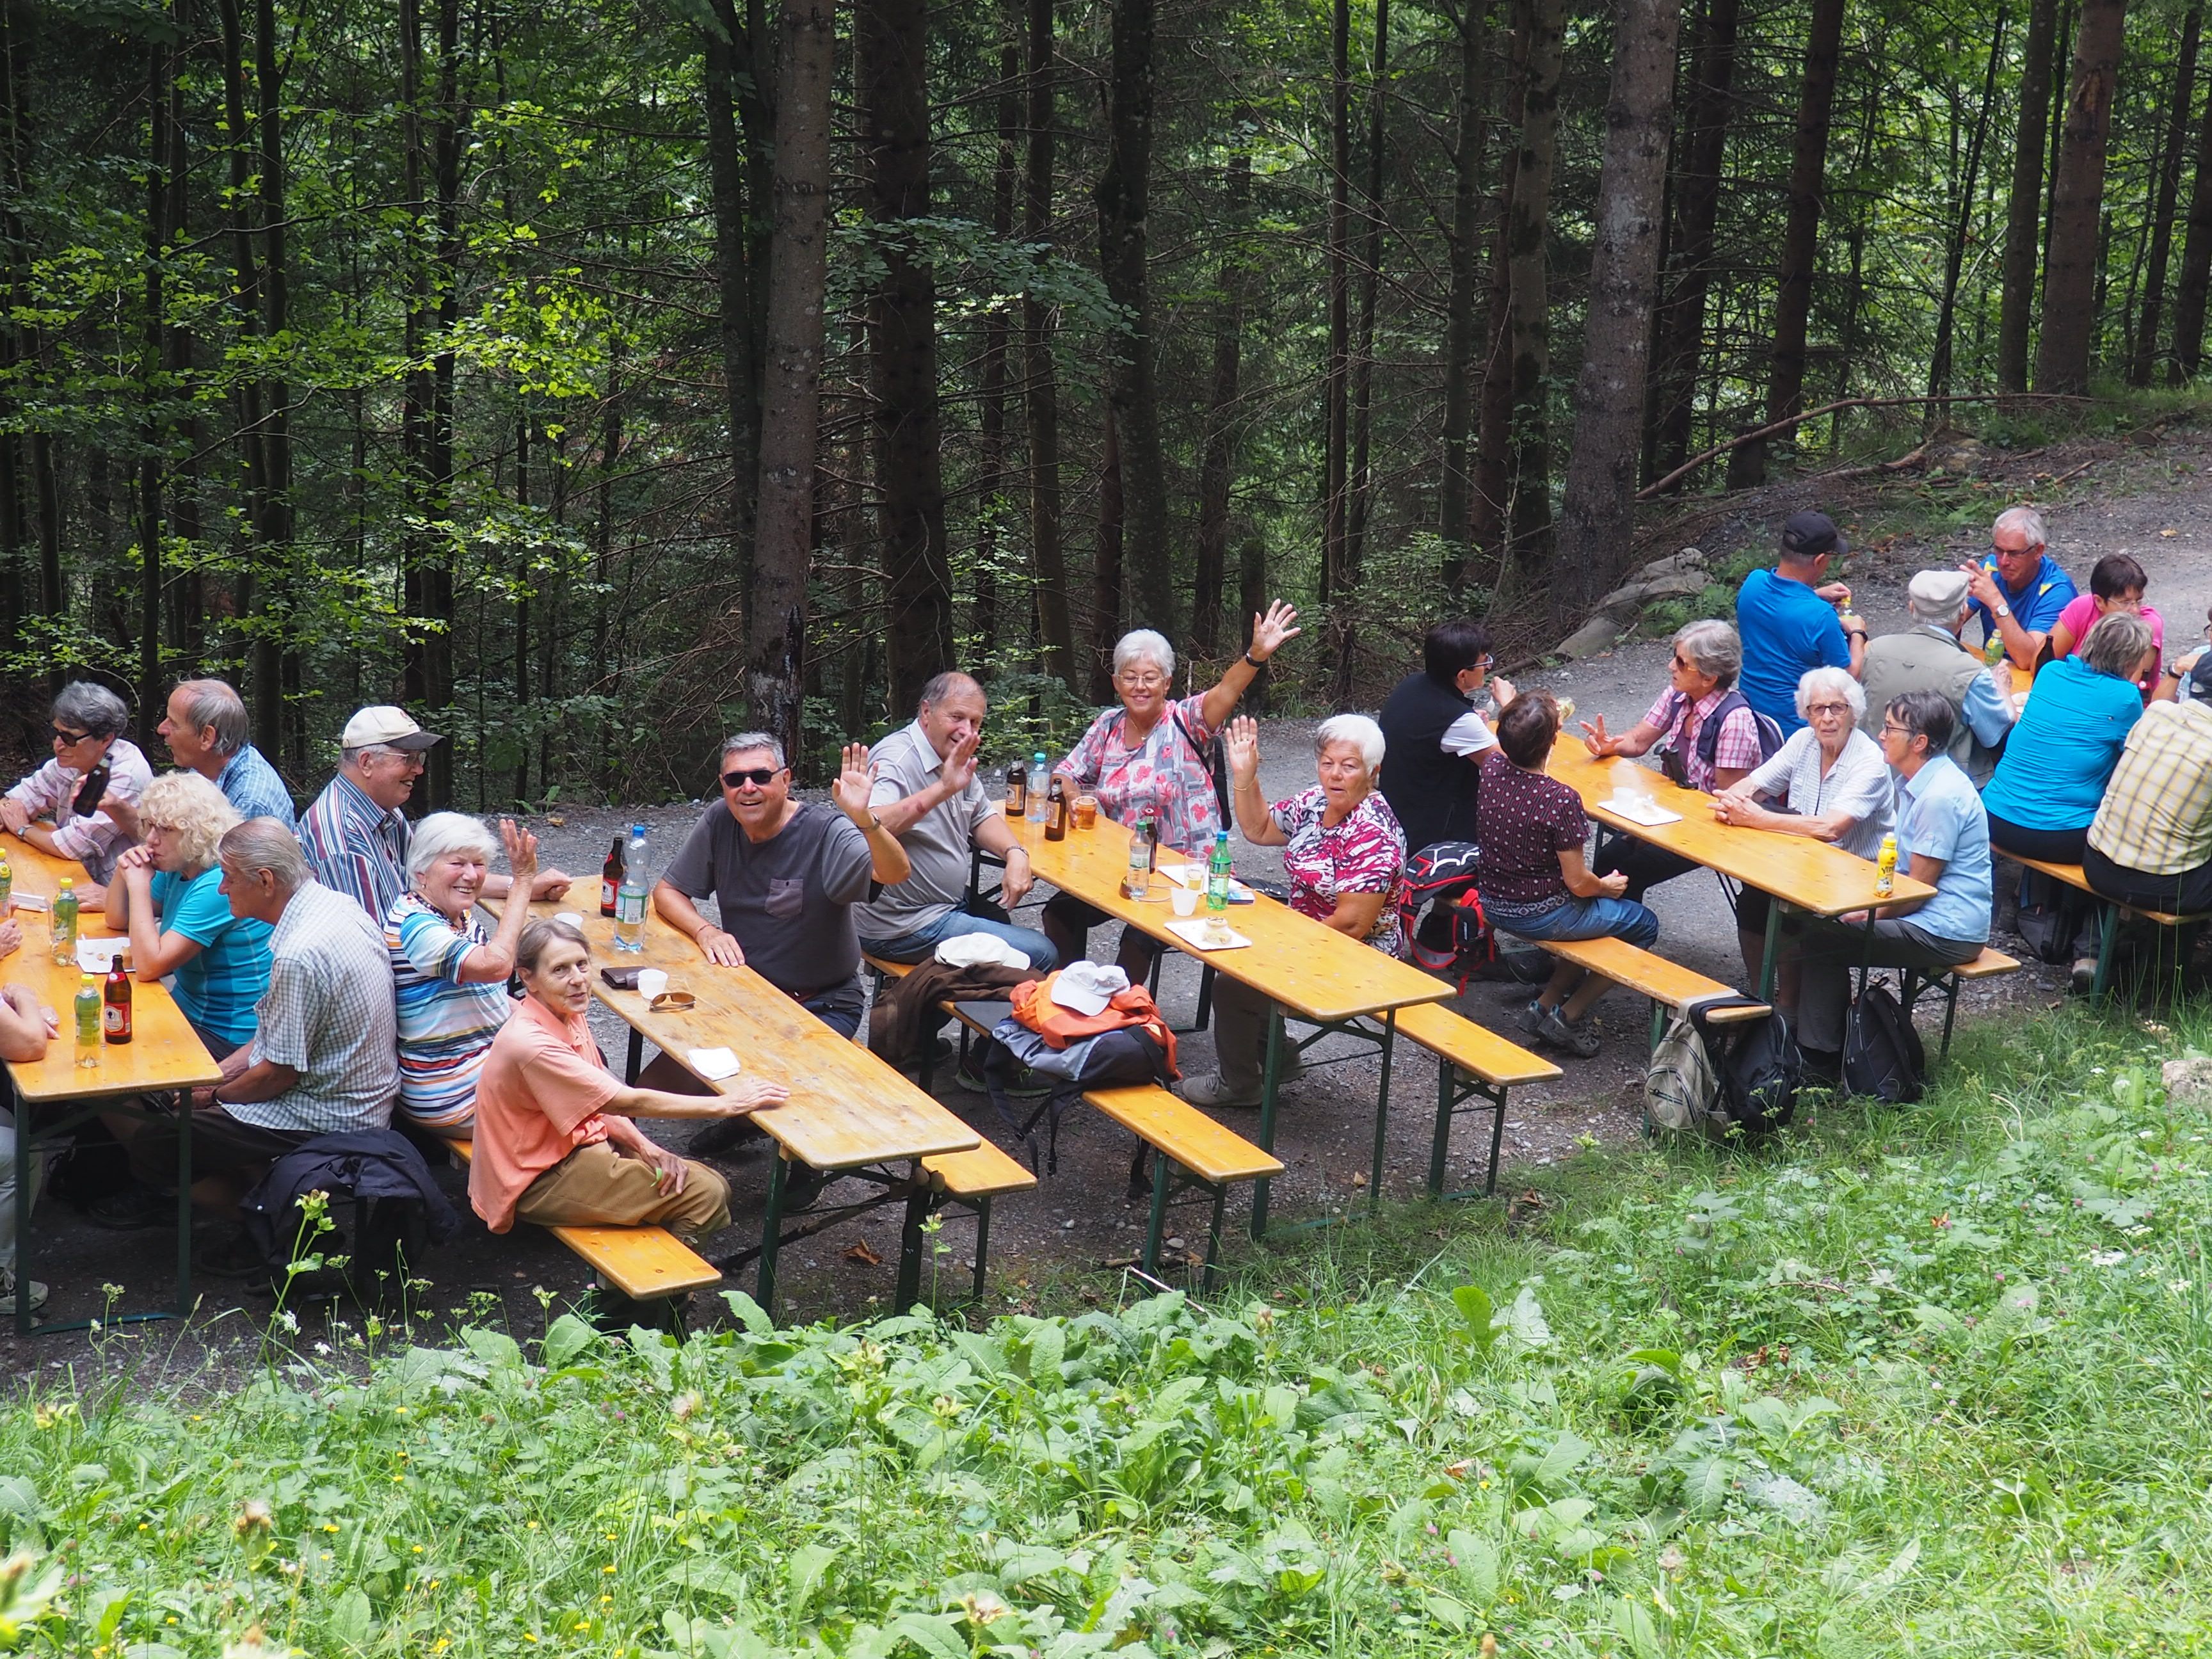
x=1931 y=1382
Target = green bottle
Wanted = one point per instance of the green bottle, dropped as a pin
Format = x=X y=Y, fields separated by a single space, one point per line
x=1216 y=873
x=89 y=1034
x=7 y=886
x=65 y=923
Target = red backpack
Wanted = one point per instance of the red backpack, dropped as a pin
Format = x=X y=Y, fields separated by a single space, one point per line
x=1453 y=939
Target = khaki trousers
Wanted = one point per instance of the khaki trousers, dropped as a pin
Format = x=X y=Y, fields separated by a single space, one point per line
x=596 y=1186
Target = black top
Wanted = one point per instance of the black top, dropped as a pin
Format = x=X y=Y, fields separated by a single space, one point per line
x=1432 y=791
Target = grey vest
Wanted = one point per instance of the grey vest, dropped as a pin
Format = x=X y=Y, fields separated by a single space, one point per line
x=1926 y=659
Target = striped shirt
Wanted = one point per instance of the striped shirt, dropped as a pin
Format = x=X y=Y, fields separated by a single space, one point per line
x=357 y=848
x=445 y=1027
x=95 y=841
x=328 y=1016
x=218 y=988
x=2156 y=815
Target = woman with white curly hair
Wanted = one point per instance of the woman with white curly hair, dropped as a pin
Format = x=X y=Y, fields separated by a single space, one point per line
x=449 y=975
x=167 y=895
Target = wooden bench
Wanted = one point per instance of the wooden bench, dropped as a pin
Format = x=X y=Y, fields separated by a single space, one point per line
x=970 y=1181
x=1669 y=986
x=1190 y=1152
x=646 y=1264
x=1990 y=964
x=2109 y=911
x=1472 y=1064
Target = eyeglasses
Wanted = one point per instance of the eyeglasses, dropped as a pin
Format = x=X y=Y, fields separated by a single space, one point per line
x=1681 y=661
x=1819 y=709
x=1889 y=726
x=64 y=735
x=1140 y=681
x=2004 y=552
x=1481 y=663
x=761 y=777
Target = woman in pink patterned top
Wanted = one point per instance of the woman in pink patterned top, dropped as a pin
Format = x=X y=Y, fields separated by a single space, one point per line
x=1346 y=856
x=1147 y=759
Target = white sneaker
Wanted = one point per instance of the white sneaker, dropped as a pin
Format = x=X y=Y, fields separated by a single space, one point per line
x=38 y=1291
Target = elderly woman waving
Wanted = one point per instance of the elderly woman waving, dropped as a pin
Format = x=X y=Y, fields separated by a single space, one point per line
x=1147 y=759
x=450 y=977
x=1345 y=857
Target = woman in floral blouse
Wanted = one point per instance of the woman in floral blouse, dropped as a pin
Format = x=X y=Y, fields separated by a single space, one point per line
x=1147 y=759
x=1346 y=856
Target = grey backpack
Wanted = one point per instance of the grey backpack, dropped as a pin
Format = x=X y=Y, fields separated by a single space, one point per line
x=1681 y=1090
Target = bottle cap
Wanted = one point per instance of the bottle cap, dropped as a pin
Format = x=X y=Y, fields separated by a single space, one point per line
x=68 y=882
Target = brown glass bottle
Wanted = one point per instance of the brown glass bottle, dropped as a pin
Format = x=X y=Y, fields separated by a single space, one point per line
x=610 y=878
x=1057 y=806
x=115 y=1004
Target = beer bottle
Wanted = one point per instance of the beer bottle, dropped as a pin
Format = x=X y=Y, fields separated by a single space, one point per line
x=610 y=878
x=1057 y=806
x=64 y=940
x=86 y=1009
x=90 y=792
x=115 y=1005
x=1018 y=790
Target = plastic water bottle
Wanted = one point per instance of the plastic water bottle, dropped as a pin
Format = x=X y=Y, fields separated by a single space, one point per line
x=65 y=939
x=1216 y=873
x=1885 y=868
x=89 y=1034
x=1036 y=805
x=1140 y=864
x=630 y=896
x=7 y=887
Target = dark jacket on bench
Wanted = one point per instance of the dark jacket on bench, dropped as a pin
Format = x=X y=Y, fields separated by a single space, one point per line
x=904 y=1009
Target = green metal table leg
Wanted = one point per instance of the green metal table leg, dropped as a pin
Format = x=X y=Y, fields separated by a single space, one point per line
x=1158 y=1226
x=1382 y=1113
x=1273 y=1079
x=1440 y=1138
x=2106 y=935
x=771 y=1237
x=1773 y=942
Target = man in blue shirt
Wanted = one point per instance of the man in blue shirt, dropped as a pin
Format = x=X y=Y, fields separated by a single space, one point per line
x=204 y=725
x=1942 y=842
x=2020 y=589
x=1788 y=621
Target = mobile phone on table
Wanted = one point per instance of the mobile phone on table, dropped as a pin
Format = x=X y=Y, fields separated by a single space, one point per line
x=621 y=979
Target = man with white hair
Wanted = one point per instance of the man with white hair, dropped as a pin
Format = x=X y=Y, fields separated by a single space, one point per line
x=356 y=835
x=1929 y=657
x=2019 y=590
x=927 y=794
x=325 y=1058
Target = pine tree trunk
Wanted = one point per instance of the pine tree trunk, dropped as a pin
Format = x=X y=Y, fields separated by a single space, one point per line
x=2195 y=262
x=449 y=135
x=1336 y=381
x=2145 y=361
x=1217 y=459
x=1493 y=478
x=1453 y=524
x=1596 y=512
x=790 y=407
x=2024 y=209
x=1793 y=298
x=1360 y=484
x=266 y=701
x=2061 y=362
x=1682 y=321
x=1939 y=369
x=991 y=511
x=1531 y=533
x=735 y=276
x=1106 y=596
x=890 y=63
x=1041 y=401
x=1124 y=195
x=152 y=692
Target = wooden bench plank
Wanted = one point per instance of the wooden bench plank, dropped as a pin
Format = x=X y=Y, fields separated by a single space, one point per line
x=1472 y=1048
x=887 y=968
x=1184 y=1134
x=641 y=1262
x=1988 y=965
x=983 y=1173
x=2073 y=876
x=1638 y=970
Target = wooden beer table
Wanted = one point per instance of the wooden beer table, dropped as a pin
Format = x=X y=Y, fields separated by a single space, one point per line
x=1813 y=876
x=1323 y=977
x=165 y=1054
x=849 y=1114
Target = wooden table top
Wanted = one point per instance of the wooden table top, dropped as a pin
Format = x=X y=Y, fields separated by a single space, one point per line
x=1813 y=875
x=847 y=1109
x=164 y=1052
x=1312 y=970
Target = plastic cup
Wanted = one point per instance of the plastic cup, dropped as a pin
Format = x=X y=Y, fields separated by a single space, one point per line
x=574 y=918
x=1185 y=900
x=651 y=982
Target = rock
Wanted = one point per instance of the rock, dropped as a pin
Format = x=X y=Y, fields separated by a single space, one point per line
x=1600 y=633
x=2189 y=1080
x=1681 y=583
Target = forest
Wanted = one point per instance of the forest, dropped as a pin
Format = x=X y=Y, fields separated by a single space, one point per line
x=595 y=376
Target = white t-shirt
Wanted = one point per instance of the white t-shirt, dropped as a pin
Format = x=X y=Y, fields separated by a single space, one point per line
x=1470 y=734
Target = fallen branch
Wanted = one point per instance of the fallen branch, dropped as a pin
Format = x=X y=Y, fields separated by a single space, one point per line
x=1652 y=491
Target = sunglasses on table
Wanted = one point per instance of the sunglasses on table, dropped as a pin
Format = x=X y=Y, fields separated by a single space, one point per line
x=759 y=776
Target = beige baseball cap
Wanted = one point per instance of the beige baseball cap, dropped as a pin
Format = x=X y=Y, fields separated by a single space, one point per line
x=387 y=727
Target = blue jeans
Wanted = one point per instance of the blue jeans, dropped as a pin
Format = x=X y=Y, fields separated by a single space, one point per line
x=917 y=946
x=1588 y=918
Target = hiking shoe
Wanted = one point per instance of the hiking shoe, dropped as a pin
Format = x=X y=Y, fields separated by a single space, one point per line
x=1211 y=1090
x=1530 y=1018
x=1552 y=1027
x=35 y=1292
x=134 y=1207
x=802 y=1185
x=2085 y=975
x=232 y=1256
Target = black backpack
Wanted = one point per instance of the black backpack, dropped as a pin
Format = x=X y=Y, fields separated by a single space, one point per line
x=1760 y=1067
x=1453 y=939
x=1883 y=1057
x=1709 y=739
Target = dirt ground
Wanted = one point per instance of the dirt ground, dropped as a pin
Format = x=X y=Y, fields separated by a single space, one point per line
x=1078 y=1226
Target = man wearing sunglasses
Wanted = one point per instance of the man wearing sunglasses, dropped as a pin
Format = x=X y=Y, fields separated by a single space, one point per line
x=784 y=875
x=87 y=725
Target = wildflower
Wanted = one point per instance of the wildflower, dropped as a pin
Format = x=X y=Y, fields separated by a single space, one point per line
x=684 y=1407
x=253 y=1518
x=983 y=1607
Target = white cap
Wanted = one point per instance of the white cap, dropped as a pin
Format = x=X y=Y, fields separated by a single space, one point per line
x=1087 y=987
x=387 y=727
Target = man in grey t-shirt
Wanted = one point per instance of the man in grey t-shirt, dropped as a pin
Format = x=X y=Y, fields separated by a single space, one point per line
x=927 y=794
x=786 y=875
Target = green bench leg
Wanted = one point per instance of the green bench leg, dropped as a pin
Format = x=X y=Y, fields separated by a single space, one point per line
x=1440 y=1139
x=1158 y=1226
x=771 y=1236
x=983 y=1242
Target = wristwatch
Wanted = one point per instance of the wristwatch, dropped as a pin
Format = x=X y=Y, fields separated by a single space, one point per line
x=1256 y=662
x=2002 y=609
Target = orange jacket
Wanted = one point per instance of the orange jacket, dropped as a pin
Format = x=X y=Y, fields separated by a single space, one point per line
x=1132 y=1009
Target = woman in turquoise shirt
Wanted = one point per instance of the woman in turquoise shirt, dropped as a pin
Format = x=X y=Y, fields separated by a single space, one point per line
x=167 y=895
x=2062 y=753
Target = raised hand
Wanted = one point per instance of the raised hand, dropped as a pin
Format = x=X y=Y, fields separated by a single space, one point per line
x=856 y=781
x=1981 y=584
x=960 y=764
x=1594 y=738
x=1240 y=741
x=1271 y=631
x=521 y=849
